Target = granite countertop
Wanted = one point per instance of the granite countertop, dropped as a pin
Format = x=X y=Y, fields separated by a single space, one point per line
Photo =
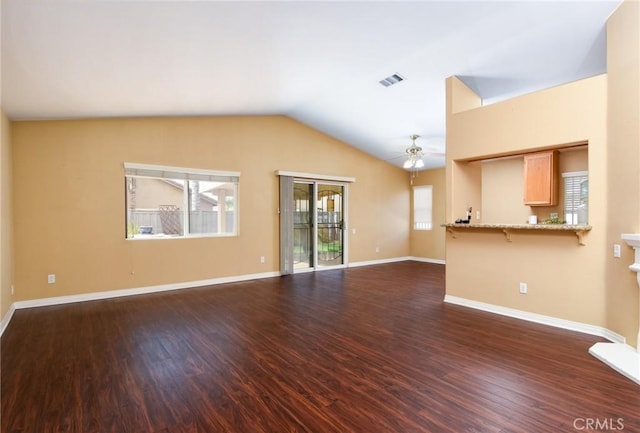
x=558 y=227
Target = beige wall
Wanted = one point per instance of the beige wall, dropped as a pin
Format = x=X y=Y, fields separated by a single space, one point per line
x=429 y=244
x=76 y=228
x=6 y=241
x=565 y=280
x=623 y=180
x=502 y=198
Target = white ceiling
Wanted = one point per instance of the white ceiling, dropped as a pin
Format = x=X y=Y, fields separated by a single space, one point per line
x=316 y=61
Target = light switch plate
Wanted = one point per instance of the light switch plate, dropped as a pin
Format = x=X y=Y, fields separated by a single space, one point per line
x=616 y=250
x=523 y=288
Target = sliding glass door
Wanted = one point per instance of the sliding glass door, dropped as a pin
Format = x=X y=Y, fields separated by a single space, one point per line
x=318 y=225
x=329 y=225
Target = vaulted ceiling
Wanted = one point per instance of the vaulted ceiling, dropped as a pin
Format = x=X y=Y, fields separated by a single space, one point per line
x=320 y=62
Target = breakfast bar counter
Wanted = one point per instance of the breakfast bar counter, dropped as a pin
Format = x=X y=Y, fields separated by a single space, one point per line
x=507 y=229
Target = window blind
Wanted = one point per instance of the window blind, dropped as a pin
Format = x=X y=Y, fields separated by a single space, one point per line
x=574 y=196
x=422 y=207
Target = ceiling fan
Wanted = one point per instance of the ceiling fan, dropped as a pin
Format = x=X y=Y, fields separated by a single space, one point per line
x=414 y=155
x=416 y=150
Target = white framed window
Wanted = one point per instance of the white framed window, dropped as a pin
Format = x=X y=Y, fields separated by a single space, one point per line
x=576 y=196
x=170 y=202
x=422 y=207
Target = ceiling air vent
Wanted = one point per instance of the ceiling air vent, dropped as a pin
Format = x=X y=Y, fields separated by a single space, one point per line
x=391 y=80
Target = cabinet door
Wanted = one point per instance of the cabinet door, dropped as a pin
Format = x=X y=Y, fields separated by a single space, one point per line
x=540 y=179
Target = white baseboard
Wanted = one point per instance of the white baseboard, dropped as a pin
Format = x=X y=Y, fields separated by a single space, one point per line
x=427 y=260
x=396 y=259
x=7 y=318
x=585 y=328
x=138 y=291
x=378 y=262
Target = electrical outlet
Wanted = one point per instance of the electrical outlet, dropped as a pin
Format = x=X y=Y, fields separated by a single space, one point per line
x=477 y=214
x=51 y=278
x=377 y=249
x=261 y=259
x=616 y=250
x=523 y=288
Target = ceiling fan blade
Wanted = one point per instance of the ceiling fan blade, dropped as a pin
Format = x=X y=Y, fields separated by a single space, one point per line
x=393 y=158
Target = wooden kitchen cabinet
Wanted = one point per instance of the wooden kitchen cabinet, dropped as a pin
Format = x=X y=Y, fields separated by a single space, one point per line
x=541 y=178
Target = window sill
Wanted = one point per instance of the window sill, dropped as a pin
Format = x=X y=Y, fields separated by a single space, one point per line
x=163 y=236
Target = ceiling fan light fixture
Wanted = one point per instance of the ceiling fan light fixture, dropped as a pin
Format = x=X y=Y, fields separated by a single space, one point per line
x=414 y=157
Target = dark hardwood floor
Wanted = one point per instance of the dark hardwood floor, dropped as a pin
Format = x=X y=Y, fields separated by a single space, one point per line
x=370 y=349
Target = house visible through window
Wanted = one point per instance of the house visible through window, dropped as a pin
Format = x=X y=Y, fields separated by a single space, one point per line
x=576 y=197
x=422 y=207
x=176 y=202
